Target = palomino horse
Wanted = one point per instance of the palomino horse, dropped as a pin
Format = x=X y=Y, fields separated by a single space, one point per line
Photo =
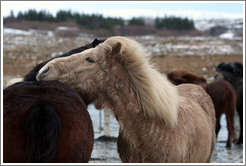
x=45 y=122
x=159 y=122
x=221 y=93
x=233 y=73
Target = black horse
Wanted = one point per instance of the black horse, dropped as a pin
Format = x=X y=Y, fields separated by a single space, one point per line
x=233 y=73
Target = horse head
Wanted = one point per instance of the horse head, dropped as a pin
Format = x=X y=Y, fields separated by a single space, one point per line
x=31 y=75
x=117 y=65
x=234 y=69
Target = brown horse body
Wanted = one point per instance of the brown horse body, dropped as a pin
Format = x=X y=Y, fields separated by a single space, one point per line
x=221 y=93
x=158 y=121
x=233 y=73
x=224 y=99
x=45 y=122
x=181 y=77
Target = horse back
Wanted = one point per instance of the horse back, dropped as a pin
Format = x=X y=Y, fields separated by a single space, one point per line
x=45 y=122
x=196 y=110
x=195 y=93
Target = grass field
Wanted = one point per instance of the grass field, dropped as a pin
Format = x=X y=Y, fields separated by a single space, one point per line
x=195 y=54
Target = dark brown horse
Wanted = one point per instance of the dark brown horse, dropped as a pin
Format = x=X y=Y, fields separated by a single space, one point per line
x=45 y=122
x=233 y=73
x=221 y=93
x=47 y=117
x=181 y=77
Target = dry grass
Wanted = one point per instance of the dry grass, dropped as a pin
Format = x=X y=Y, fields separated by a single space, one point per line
x=22 y=53
x=194 y=64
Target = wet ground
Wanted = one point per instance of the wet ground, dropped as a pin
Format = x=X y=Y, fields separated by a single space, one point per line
x=105 y=151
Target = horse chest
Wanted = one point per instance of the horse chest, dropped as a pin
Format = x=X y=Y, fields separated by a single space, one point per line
x=152 y=146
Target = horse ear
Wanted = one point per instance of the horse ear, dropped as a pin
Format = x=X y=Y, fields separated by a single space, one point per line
x=116 y=49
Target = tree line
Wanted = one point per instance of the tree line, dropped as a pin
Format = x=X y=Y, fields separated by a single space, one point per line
x=174 y=23
x=95 y=21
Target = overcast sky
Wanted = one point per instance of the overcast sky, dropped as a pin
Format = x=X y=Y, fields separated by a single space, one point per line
x=193 y=10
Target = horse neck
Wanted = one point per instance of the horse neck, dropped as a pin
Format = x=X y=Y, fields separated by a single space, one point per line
x=122 y=100
x=126 y=108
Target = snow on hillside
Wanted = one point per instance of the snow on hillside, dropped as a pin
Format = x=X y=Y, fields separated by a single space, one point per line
x=230 y=29
x=204 y=25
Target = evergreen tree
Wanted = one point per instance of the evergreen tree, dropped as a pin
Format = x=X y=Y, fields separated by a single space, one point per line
x=136 y=21
x=174 y=23
x=20 y=16
x=12 y=14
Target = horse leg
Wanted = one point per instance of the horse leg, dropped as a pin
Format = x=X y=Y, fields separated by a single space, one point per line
x=240 y=114
x=218 y=126
x=230 y=126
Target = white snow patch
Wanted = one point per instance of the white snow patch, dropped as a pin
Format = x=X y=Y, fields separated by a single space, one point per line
x=227 y=35
x=11 y=31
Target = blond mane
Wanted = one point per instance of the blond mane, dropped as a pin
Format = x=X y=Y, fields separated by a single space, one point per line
x=158 y=97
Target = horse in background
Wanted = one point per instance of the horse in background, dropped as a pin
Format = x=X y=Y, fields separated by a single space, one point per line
x=181 y=77
x=221 y=93
x=233 y=73
x=45 y=122
x=159 y=122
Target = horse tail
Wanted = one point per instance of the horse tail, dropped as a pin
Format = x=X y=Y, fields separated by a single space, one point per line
x=42 y=131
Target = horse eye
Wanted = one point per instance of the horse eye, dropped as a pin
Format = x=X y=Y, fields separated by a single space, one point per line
x=90 y=60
